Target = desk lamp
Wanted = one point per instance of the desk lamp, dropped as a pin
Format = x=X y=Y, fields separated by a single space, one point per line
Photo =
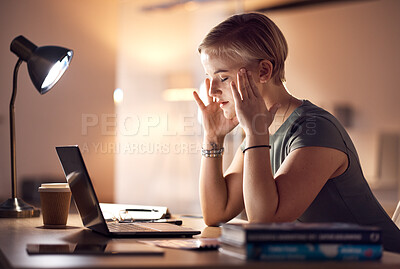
x=45 y=65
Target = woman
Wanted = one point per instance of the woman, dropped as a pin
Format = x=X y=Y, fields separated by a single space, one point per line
x=296 y=162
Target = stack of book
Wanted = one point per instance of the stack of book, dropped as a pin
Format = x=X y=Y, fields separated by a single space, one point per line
x=301 y=241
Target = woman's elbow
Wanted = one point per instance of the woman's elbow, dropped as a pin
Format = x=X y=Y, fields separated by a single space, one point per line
x=215 y=219
x=210 y=221
x=270 y=219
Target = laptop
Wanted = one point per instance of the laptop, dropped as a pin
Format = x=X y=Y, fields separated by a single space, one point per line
x=89 y=208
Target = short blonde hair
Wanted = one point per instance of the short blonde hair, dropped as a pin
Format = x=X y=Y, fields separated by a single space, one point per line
x=249 y=37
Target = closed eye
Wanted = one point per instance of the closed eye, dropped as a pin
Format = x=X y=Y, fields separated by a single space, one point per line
x=223 y=79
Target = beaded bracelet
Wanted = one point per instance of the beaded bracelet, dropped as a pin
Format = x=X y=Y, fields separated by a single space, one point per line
x=258 y=146
x=212 y=153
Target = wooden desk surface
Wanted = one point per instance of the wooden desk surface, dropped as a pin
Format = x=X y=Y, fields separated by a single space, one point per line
x=15 y=234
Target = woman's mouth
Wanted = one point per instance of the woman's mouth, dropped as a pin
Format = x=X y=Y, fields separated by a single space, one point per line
x=222 y=104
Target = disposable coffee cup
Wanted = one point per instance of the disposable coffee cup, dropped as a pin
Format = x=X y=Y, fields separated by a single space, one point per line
x=55 y=199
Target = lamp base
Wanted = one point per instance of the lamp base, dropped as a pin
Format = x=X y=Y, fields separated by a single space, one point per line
x=17 y=208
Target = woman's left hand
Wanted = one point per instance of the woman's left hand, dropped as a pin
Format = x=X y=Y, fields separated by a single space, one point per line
x=253 y=115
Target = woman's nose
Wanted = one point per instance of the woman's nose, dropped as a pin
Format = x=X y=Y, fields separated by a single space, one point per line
x=214 y=90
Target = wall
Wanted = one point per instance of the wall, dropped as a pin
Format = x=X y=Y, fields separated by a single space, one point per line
x=84 y=92
x=158 y=141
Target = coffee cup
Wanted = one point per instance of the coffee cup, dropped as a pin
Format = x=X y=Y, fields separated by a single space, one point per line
x=55 y=199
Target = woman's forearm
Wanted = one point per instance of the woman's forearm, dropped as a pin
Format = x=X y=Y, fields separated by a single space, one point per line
x=213 y=189
x=259 y=189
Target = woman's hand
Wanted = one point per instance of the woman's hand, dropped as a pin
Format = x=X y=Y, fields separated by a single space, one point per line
x=216 y=126
x=253 y=115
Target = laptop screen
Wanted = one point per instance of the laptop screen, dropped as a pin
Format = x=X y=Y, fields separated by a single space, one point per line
x=81 y=188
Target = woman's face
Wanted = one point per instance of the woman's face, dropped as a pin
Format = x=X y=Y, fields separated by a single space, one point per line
x=221 y=72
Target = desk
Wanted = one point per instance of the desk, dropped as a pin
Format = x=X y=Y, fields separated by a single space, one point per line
x=15 y=234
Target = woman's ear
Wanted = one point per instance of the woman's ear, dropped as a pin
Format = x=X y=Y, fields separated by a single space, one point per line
x=265 y=68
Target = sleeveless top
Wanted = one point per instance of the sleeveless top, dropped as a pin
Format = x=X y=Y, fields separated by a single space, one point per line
x=346 y=198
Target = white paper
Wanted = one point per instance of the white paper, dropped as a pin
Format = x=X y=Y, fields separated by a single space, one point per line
x=118 y=211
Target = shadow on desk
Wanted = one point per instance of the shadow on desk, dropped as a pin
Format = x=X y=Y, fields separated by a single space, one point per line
x=67 y=227
x=86 y=237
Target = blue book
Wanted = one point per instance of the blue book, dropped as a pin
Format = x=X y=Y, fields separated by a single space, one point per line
x=301 y=252
x=300 y=232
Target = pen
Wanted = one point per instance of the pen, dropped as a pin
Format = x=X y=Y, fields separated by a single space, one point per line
x=141 y=210
x=171 y=221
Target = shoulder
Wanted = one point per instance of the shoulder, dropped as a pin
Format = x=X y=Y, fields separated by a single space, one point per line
x=314 y=126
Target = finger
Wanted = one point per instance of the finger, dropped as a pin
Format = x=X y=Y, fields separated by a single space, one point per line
x=235 y=93
x=207 y=83
x=242 y=87
x=246 y=83
x=253 y=85
x=199 y=102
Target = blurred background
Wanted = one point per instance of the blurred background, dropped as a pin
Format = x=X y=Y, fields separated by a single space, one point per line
x=126 y=98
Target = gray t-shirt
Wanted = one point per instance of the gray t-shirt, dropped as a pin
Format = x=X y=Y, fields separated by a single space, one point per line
x=346 y=198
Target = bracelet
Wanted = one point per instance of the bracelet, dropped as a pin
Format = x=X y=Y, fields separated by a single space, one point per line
x=212 y=153
x=258 y=146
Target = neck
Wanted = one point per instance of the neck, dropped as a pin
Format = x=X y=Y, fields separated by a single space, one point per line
x=278 y=94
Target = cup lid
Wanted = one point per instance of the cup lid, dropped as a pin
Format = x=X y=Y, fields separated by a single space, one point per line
x=58 y=186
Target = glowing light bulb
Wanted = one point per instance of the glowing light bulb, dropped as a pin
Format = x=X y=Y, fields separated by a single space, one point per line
x=56 y=72
x=118 y=96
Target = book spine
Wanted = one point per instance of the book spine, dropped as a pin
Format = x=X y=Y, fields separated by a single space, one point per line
x=353 y=237
x=348 y=252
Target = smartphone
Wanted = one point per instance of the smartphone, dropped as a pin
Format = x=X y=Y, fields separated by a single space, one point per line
x=111 y=248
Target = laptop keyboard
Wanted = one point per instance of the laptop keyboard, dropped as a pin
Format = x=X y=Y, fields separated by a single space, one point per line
x=128 y=227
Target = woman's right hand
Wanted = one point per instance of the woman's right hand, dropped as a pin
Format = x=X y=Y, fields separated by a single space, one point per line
x=215 y=125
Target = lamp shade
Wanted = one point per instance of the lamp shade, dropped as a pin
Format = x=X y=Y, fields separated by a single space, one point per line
x=46 y=64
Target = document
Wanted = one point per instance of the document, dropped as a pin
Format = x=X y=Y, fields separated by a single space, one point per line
x=123 y=212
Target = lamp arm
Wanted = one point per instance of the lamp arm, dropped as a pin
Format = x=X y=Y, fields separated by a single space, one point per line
x=12 y=132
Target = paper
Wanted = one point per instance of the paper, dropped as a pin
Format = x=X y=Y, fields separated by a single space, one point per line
x=135 y=212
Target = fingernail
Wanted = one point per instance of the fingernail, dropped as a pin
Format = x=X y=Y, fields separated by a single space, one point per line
x=243 y=70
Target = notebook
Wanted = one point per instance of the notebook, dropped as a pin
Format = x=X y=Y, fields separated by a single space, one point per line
x=89 y=208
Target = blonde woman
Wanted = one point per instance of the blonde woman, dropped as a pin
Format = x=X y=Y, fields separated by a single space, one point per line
x=296 y=162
